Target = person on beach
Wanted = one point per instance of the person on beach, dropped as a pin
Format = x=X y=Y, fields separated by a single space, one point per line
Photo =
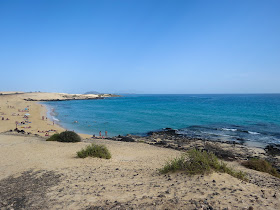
x=43 y=117
x=106 y=133
x=100 y=133
x=53 y=123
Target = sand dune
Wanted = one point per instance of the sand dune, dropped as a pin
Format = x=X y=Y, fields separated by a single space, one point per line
x=129 y=179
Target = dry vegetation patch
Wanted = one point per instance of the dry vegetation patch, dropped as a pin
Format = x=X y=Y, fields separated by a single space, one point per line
x=94 y=150
x=200 y=162
x=261 y=165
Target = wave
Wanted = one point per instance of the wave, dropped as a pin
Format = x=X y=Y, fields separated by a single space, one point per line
x=55 y=119
x=254 y=133
x=245 y=131
x=229 y=129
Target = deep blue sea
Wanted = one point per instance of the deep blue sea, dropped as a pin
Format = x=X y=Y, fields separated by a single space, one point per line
x=242 y=118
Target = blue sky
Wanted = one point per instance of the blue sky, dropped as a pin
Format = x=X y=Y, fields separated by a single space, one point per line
x=226 y=46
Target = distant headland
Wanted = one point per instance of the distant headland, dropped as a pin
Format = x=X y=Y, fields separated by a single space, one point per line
x=42 y=96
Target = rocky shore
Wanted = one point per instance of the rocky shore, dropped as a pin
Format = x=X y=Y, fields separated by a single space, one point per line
x=226 y=150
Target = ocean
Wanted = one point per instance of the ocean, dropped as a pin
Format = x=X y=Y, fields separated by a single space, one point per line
x=244 y=118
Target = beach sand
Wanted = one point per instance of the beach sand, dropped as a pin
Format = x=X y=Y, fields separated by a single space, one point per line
x=14 y=107
x=10 y=106
x=47 y=175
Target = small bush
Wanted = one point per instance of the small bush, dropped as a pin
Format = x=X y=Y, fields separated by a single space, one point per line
x=69 y=136
x=54 y=137
x=199 y=162
x=66 y=136
x=94 y=150
x=261 y=165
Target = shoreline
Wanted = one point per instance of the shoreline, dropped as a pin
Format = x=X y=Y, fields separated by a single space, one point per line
x=28 y=114
x=45 y=110
x=138 y=115
x=48 y=113
x=251 y=144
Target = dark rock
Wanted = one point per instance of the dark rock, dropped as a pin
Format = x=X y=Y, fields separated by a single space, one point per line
x=161 y=196
x=273 y=149
x=21 y=131
x=127 y=139
x=220 y=152
x=170 y=131
x=161 y=143
x=165 y=131
x=167 y=191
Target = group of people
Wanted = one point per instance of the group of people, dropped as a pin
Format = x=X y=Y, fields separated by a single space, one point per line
x=100 y=134
x=52 y=130
x=47 y=132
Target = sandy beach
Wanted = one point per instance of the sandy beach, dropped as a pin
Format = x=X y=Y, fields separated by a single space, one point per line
x=37 y=174
x=14 y=108
x=31 y=115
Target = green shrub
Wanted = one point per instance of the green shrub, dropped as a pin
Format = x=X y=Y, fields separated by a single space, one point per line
x=173 y=165
x=94 y=150
x=69 y=136
x=54 y=137
x=261 y=165
x=199 y=162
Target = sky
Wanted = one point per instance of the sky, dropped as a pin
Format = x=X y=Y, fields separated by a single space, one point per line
x=140 y=46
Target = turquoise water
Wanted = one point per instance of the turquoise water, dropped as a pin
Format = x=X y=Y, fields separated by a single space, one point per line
x=241 y=118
